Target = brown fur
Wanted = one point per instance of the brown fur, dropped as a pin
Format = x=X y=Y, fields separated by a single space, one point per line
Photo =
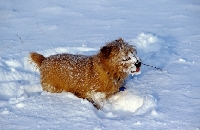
x=85 y=75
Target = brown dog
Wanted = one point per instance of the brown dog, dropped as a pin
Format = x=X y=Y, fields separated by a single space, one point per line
x=92 y=77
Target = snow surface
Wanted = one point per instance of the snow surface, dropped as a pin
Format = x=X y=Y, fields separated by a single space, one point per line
x=166 y=34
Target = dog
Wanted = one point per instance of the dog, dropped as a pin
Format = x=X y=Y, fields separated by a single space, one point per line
x=95 y=77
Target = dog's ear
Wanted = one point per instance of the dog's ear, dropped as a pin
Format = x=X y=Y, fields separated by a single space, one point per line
x=119 y=40
x=105 y=51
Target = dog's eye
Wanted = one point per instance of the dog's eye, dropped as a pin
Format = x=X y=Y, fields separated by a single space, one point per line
x=134 y=52
x=129 y=58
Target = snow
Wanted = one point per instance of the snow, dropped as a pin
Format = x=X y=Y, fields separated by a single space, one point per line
x=123 y=101
x=147 y=42
x=165 y=33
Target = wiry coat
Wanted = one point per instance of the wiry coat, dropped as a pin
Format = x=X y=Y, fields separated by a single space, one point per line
x=87 y=75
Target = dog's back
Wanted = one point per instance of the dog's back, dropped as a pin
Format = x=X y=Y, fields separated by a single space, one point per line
x=73 y=73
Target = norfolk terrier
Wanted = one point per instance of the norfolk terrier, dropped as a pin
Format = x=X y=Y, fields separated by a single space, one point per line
x=95 y=77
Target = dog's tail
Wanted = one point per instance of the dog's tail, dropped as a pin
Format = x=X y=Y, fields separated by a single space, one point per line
x=36 y=58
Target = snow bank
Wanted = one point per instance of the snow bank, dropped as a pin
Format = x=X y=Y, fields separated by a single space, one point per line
x=127 y=103
x=147 y=42
x=123 y=101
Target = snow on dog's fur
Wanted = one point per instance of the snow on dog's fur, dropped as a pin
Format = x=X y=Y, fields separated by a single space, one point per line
x=94 y=77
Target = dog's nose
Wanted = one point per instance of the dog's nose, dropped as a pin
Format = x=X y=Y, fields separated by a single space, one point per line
x=138 y=64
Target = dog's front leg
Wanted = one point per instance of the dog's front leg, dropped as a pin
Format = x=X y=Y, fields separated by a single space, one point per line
x=93 y=103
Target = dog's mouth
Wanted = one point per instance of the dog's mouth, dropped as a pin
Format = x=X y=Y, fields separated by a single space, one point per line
x=137 y=70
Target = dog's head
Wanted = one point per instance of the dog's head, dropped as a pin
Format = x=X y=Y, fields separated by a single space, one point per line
x=120 y=56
